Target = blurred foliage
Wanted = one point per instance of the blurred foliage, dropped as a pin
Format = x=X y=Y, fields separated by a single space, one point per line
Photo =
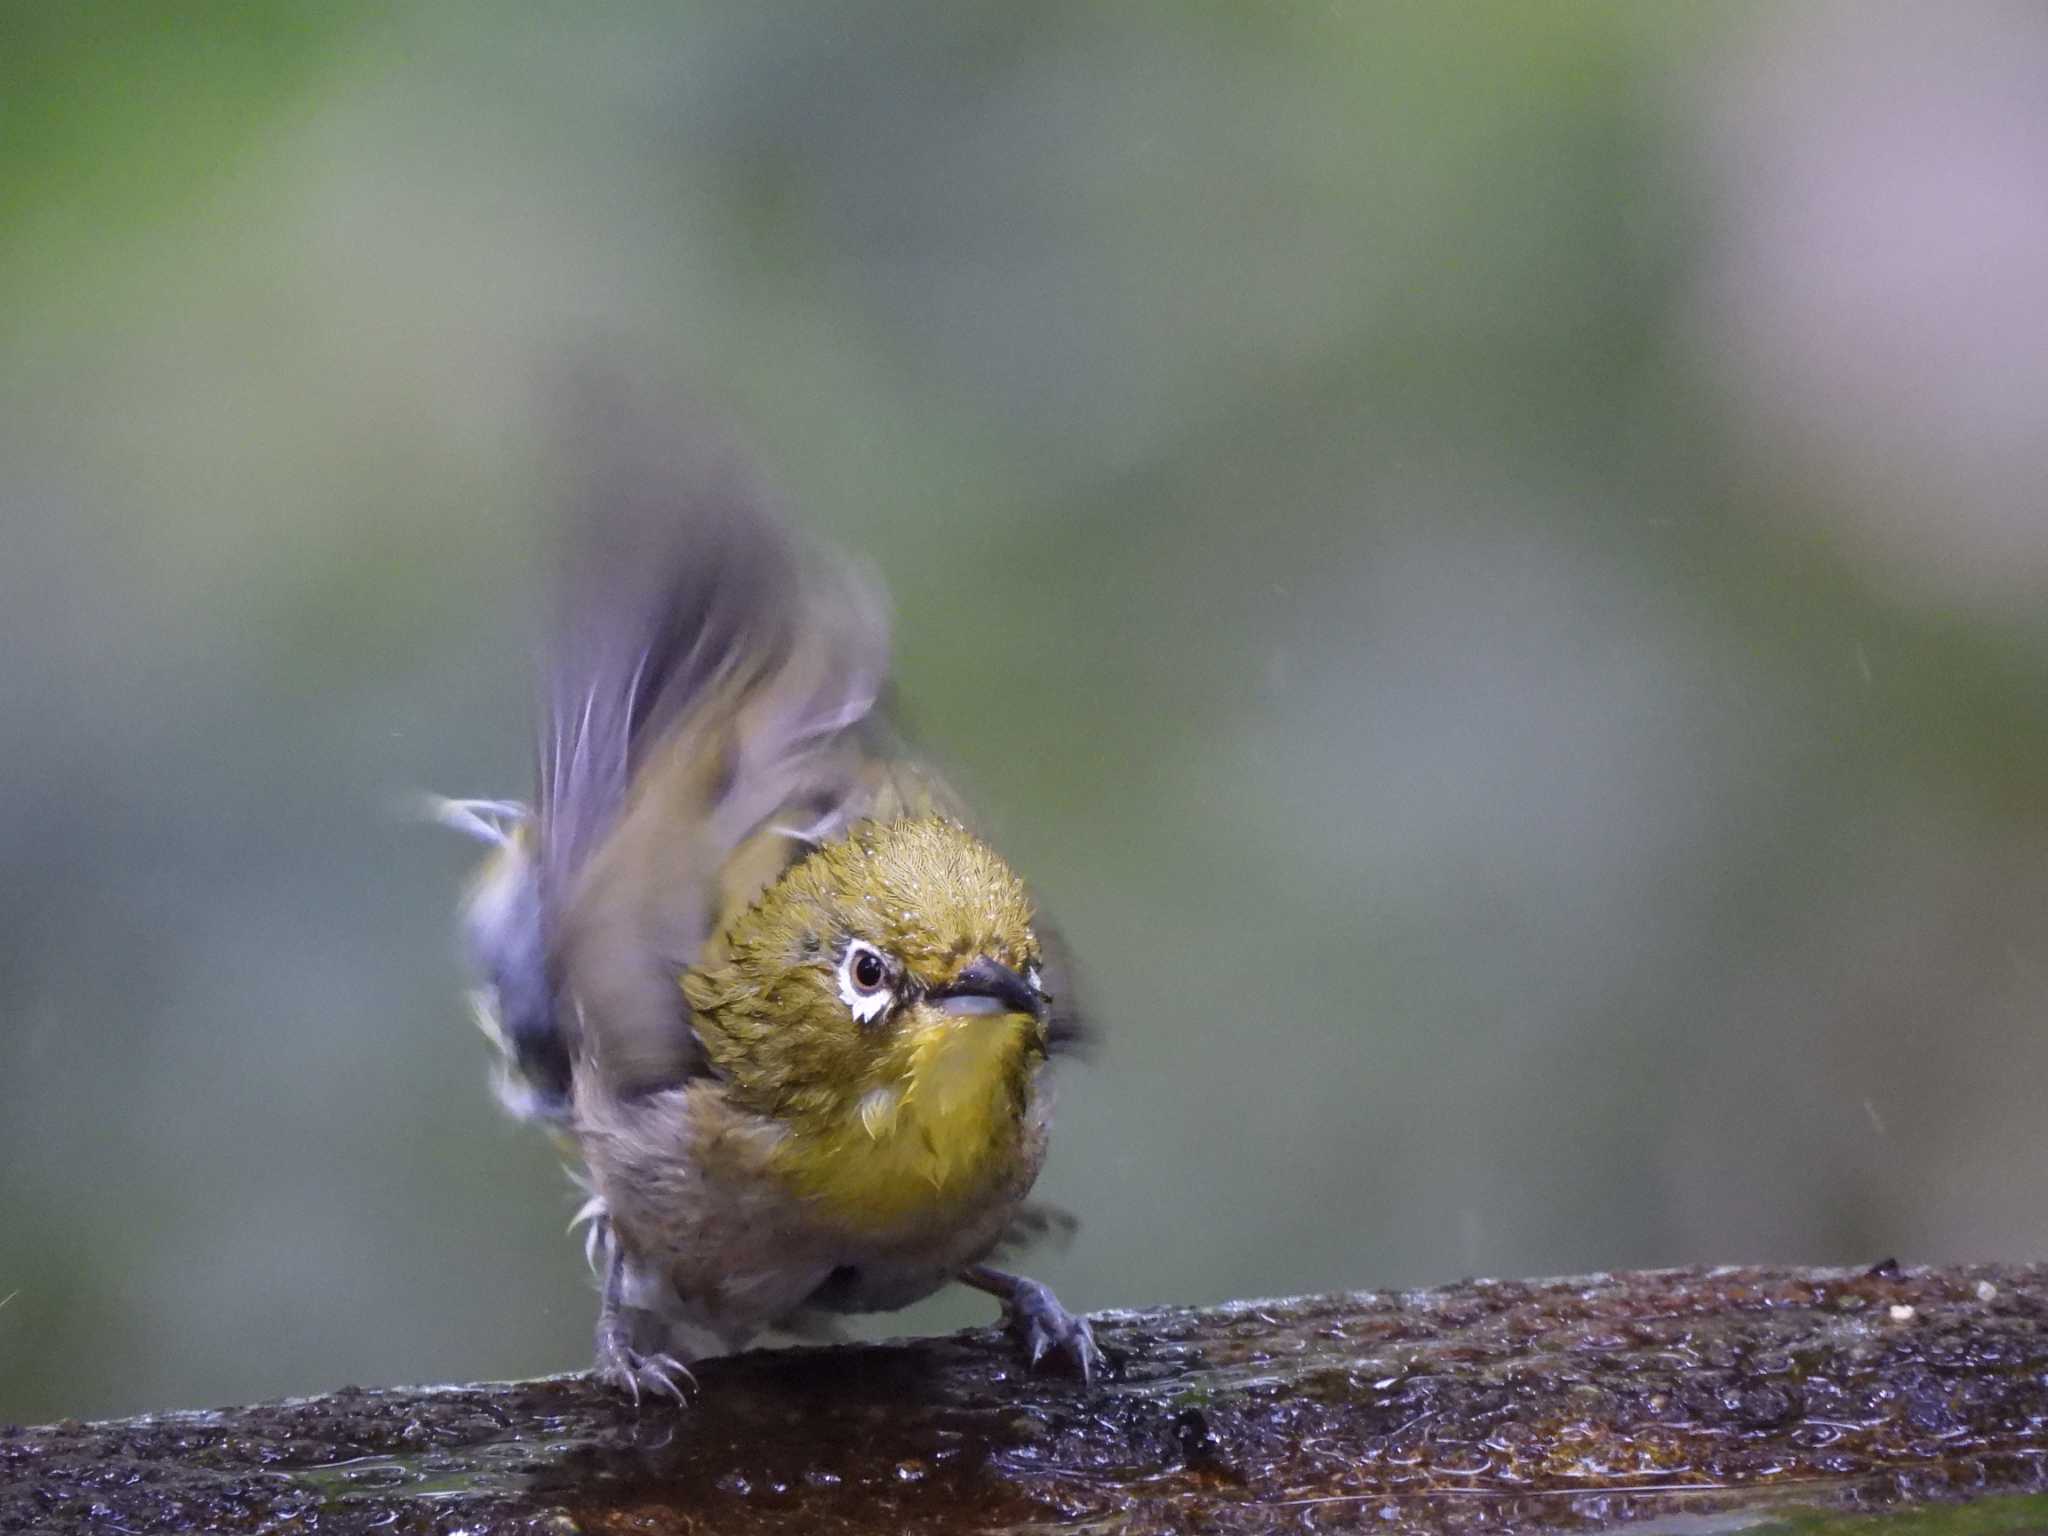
x=1455 y=576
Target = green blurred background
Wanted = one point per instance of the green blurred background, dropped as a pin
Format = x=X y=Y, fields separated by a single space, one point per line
x=1519 y=532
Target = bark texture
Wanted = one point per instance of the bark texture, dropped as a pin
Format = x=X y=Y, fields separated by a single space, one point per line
x=1590 y=1403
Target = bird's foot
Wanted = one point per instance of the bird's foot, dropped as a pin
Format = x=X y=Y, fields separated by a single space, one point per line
x=1040 y=1324
x=1044 y=1327
x=620 y=1363
x=635 y=1372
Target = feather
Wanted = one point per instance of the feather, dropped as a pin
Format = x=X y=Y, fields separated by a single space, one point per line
x=707 y=695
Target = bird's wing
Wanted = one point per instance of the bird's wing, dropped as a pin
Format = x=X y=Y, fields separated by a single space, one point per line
x=710 y=714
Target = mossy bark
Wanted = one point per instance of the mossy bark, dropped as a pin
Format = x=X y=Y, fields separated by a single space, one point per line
x=1885 y=1395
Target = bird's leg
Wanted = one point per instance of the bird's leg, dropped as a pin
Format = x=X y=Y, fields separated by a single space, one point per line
x=619 y=1362
x=1035 y=1316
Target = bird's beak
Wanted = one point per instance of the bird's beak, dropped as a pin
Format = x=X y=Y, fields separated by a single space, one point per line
x=969 y=1037
x=988 y=986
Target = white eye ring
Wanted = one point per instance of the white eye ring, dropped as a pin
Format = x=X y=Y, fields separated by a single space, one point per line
x=868 y=1002
x=1034 y=981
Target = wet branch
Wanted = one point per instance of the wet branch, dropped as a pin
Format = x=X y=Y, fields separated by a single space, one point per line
x=1583 y=1403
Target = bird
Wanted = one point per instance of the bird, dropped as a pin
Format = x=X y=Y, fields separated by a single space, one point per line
x=744 y=954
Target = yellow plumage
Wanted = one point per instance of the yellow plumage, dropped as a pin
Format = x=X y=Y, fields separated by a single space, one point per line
x=915 y=1152
x=893 y=1123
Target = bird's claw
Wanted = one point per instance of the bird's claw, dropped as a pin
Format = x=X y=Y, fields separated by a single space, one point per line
x=1044 y=1327
x=632 y=1372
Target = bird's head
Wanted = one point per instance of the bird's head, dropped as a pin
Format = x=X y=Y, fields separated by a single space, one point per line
x=883 y=1001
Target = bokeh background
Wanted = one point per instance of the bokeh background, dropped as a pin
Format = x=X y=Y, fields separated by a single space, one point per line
x=1519 y=532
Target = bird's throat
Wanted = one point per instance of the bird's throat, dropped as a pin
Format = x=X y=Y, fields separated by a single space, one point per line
x=912 y=1153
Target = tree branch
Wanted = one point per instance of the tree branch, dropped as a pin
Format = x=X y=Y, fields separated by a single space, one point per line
x=1583 y=1404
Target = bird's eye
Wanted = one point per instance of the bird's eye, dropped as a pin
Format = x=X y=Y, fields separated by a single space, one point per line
x=864 y=981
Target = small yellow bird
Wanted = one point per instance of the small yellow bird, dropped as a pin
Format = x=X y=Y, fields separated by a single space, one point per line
x=743 y=953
